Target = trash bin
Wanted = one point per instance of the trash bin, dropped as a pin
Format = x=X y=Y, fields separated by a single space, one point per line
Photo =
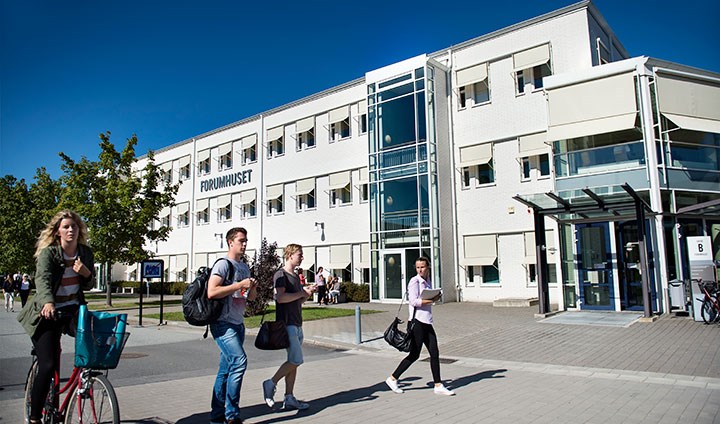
x=676 y=289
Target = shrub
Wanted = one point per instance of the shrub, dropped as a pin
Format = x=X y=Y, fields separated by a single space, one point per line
x=264 y=266
x=355 y=292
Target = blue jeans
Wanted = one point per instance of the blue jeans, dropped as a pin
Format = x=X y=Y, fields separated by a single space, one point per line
x=233 y=363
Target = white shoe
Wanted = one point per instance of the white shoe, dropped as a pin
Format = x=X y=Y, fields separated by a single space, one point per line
x=442 y=390
x=292 y=403
x=392 y=384
x=269 y=392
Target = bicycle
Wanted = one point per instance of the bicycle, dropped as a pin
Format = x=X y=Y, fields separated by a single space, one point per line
x=90 y=397
x=710 y=310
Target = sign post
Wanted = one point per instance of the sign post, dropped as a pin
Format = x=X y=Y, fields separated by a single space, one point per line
x=154 y=268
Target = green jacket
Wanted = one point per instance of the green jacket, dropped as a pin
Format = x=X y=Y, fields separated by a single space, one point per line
x=48 y=275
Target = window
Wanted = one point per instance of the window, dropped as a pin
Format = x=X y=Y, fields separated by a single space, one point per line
x=532 y=274
x=249 y=155
x=166 y=173
x=488 y=274
x=276 y=206
x=204 y=166
x=184 y=172
x=531 y=66
x=340 y=196
x=225 y=213
x=473 y=85
x=248 y=210
x=340 y=129
x=364 y=192
x=226 y=160
x=363 y=123
x=203 y=216
x=532 y=78
x=276 y=142
x=478 y=175
x=183 y=219
x=182 y=275
x=539 y=163
x=165 y=220
x=306 y=201
x=305 y=140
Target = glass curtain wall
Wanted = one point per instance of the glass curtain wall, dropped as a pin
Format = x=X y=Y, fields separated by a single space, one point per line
x=400 y=181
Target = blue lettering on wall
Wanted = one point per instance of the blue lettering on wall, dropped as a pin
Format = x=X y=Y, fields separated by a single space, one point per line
x=237 y=178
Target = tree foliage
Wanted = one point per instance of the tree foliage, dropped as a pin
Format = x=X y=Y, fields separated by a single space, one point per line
x=17 y=238
x=265 y=263
x=119 y=205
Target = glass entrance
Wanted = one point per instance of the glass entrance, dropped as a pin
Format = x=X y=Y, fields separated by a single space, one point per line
x=595 y=268
x=393 y=274
x=629 y=266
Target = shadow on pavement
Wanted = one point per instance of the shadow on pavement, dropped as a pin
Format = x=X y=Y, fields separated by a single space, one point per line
x=259 y=413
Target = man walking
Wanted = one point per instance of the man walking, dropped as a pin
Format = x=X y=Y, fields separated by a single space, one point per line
x=230 y=280
x=289 y=298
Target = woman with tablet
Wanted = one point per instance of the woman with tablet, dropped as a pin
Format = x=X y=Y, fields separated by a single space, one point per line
x=420 y=308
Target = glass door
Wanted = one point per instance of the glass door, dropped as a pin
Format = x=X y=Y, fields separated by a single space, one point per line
x=393 y=274
x=595 y=267
x=629 y=266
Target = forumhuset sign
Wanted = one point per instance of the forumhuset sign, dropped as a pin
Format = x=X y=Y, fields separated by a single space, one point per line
x=236 y=178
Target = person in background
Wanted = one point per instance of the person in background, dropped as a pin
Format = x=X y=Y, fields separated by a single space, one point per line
x=301 y=276
x=289 y=298
x=8 y=287
x=24 y=289
x=321 y=286
x=334 y=293
x=422 y=330
x=234 y=289
x=65 y=267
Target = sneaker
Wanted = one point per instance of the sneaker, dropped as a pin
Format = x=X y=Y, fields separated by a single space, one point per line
x=292 y=403
x=269 y=392
x=393 y=384
x=442 y=390
x=234 y=421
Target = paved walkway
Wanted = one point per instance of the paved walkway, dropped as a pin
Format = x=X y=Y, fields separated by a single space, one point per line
x=506 y=365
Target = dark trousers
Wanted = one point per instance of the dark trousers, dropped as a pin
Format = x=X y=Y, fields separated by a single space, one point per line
x=423 y=334
x=322 y=295
x=47 y=349
x=24 y=296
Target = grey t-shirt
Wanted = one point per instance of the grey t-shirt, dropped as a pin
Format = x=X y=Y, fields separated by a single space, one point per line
x=234 y=309
x=291 y=312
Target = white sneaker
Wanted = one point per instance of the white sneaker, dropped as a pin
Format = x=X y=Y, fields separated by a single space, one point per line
x=269 y=392
x=290 y=403
x=392 y=384
x=442 y=390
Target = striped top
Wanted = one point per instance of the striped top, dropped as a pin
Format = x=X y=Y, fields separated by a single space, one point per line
x=67 y=293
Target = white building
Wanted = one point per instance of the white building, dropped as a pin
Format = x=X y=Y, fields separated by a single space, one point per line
x=450 y=155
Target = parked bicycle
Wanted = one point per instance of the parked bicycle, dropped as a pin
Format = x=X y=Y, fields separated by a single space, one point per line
x=710 y=310
x=89 y=395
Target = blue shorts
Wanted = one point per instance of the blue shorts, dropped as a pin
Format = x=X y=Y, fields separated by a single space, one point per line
x=295 y=355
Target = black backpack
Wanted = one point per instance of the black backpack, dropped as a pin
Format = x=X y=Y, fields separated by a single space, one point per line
x=197 y=308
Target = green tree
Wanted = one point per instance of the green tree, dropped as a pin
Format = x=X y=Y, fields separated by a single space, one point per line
x=265 y=263
x=17 y=237
x=119 y=203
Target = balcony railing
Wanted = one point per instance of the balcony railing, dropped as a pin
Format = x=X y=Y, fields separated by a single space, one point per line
x=600 y=159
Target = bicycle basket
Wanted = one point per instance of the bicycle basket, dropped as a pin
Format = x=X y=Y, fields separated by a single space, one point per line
x=100 y=339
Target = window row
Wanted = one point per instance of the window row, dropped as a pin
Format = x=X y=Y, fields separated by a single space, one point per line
x=530 y=66
x=477 y=168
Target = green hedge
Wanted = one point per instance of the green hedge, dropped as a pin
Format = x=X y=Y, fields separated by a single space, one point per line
x=170 y=288
x=355 y=292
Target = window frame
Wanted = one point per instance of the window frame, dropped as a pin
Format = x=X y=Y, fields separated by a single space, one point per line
x=341 y=196
x=303 y=201
x=335 y=132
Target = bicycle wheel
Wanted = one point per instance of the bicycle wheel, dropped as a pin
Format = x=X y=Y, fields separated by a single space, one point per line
x=709 y=312
x=98 y=403
x=28 y=389
x=47 y=418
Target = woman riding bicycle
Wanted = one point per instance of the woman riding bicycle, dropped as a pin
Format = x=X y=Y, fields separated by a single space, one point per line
x=65 y=267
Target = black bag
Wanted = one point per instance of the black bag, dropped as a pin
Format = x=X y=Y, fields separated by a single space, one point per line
x=272 y=335
x=397 y=338
x=197 y=308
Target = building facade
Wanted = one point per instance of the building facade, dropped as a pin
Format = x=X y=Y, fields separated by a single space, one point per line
x=520 y=154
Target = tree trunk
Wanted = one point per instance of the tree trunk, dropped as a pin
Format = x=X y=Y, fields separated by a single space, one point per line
x=108 y=285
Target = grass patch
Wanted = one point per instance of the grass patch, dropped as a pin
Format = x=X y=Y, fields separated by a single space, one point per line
x=309 y=314
x=132 y=305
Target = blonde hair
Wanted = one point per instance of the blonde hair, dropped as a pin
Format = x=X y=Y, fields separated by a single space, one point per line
x=290 y=250
x=49 y=235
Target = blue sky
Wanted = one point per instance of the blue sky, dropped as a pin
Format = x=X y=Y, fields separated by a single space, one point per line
x=171 y=70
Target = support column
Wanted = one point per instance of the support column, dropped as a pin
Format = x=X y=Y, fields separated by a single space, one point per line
x=541 y=262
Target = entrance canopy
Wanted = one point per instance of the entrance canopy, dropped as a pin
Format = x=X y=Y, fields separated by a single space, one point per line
x=598 y=203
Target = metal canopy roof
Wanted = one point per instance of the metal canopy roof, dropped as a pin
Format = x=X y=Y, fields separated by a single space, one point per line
x=711 y=207
x=607 y=202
